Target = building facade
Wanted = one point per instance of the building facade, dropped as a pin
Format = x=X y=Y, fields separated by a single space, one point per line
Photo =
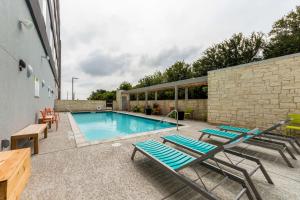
x=30 y=61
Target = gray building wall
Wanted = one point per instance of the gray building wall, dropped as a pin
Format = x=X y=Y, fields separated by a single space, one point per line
x=18 y=106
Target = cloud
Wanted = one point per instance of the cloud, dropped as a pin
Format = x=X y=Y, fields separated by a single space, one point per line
x=100 y=64
x=125 y=40
x=168 y=56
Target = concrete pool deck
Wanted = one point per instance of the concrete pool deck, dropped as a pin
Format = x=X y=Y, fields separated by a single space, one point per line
x=104 y=171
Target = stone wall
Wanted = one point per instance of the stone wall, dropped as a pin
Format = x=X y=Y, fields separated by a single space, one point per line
x=255 y=94
x=78 y=105
x=199 y=106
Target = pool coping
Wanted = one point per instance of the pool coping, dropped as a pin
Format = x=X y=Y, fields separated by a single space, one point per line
x=81 y=141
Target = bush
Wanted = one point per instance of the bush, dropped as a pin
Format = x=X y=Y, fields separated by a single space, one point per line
x=136 y=109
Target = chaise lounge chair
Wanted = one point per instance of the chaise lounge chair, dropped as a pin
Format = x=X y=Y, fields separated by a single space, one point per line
x=174 y=160
x=200 y=147
x=294 y=123
x=253 y=140
x=267 y=136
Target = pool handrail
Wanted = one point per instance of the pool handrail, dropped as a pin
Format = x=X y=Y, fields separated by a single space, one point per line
x=163 y=118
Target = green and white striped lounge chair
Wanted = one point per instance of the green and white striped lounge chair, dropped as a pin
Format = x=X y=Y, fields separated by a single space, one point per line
x=200 y=147
x=173 y=161
x=268 y=136
x=253 y=140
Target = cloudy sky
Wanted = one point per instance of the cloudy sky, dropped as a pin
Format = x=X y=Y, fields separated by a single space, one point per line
x=107 y=42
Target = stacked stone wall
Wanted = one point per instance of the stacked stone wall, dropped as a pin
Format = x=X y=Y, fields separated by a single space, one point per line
x=256 y=94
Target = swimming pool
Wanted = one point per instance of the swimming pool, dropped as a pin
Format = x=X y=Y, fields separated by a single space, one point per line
x=109 y=125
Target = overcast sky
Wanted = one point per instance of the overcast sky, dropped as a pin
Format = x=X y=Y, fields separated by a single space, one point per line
x=107 y=42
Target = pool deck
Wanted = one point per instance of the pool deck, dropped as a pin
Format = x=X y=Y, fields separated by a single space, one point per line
x=104 y=171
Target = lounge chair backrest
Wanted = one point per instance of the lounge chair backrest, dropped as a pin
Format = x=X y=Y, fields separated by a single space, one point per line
x=231 y=143
x=206 y=156
x=240 y=139
x=275 y=126
x=48 y=110
x=43 y=113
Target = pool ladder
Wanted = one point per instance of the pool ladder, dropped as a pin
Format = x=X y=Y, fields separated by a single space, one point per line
x=172 y=111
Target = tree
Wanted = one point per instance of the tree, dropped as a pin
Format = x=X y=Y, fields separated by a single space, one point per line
x=156 y=78
x=234 y=51
x=125 y=86
x=102 y=95
x=178 y=71
x=284 y=36
x=97 y=95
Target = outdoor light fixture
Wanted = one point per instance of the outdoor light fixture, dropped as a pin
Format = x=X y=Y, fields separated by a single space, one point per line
x=46 y=57
x=73 y=96
x=22 y=64
x=29 y=71
x=43 y=83
x=26 y=23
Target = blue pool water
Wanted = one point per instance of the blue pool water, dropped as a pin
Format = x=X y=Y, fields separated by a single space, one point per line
x=108 y=125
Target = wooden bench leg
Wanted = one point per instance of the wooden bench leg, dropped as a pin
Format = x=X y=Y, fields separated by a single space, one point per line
x=13 y=144
x=46 y=132
x=36 y=144
x=56 y=123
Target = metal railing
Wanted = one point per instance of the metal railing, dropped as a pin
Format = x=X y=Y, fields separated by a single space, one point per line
x=172 y=111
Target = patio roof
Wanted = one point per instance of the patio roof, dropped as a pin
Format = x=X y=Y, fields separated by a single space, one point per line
x=180 y=84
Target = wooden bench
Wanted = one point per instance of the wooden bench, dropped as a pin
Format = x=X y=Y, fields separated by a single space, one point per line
x=15 y=170
x=30 y=132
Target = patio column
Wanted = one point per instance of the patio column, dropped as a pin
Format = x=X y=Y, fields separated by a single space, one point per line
x=155 y=96
x=176 y=97
x=186 y=93
x=146 y=98
x=137 y=98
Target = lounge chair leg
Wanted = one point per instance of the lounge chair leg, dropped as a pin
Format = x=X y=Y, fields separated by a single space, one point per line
x=265 y=173
x=196 y=187
x=133 y=153
x=285 y=158
x=294 y=146
x=245 y=174
x=273 y=147
x=231 y=176
x=297 y=142
x=253 y=159
x=289 y=140
x=249 y=195
x=164 y=141
x=290 y=152
x=201 y=136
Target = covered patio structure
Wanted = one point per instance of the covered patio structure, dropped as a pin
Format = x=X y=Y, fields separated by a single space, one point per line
x=186 y=84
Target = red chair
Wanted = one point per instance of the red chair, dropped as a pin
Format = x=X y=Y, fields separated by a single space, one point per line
x=49 y=118
x=50 y=111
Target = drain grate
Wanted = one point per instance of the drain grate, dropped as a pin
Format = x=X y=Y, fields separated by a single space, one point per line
x=116 y=144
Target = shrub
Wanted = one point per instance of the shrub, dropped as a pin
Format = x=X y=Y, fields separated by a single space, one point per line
x=136 y=109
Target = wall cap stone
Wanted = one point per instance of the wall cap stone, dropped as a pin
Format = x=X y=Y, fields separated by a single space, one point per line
x=295 y=55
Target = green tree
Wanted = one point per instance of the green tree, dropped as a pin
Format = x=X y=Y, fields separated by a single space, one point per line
x=284 y=36
x=178 y=71
x=125 y=86
x=156 y=78
x=236 y=50
x=97 y=95
x=102 y=95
